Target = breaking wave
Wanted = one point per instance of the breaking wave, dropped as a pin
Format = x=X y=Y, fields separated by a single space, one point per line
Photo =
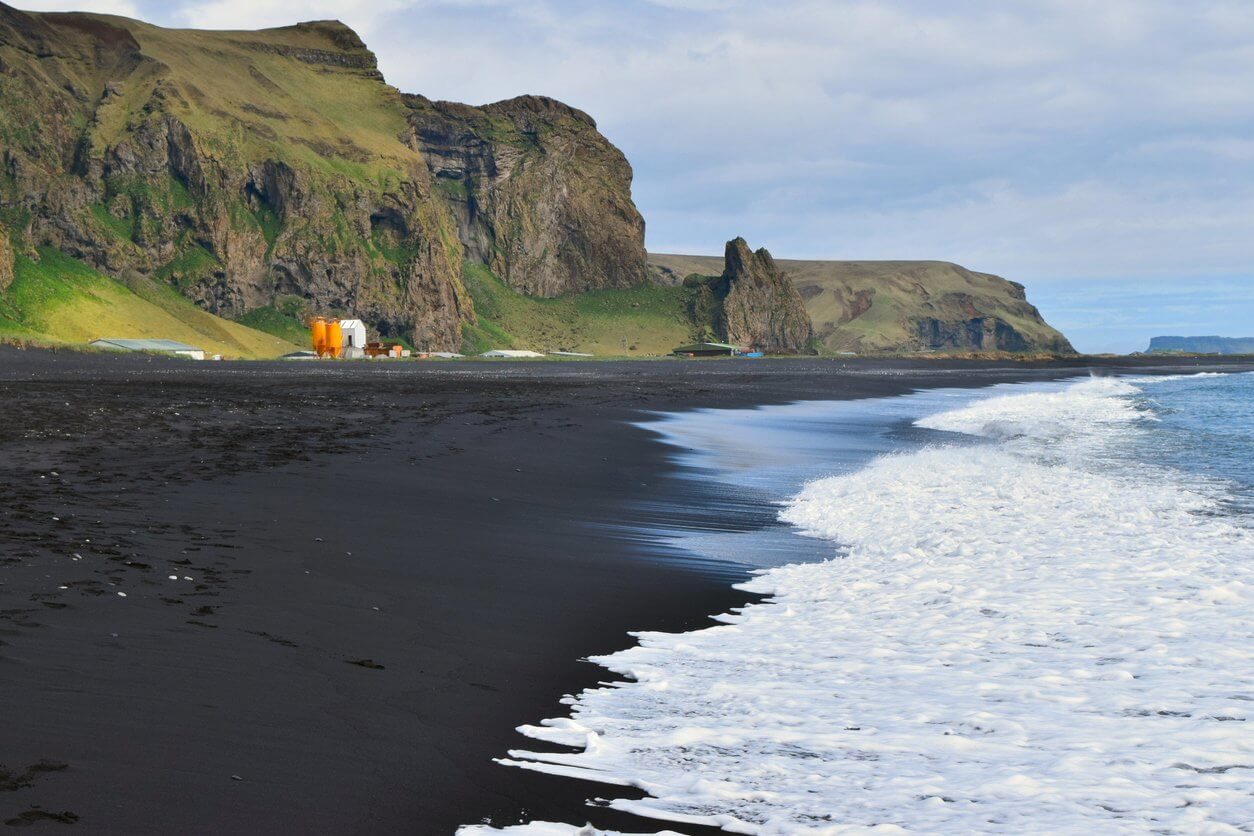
x=1020 y=630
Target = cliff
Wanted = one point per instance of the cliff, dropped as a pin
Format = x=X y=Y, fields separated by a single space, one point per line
x=269 y=175
x=275 y=171
x=239 y=167
x=1196 y=345
x=883 y=307
x=6 y=260
x=541 y=198
x=751 y=303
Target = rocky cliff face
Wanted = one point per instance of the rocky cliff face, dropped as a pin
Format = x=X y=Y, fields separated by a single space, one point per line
x=6 y=260
x=540 y=196
x=228 y=165
x=889 y=307
x=753 y=304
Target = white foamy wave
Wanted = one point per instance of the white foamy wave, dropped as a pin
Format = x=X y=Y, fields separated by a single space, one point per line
x=1002 y=644
x=1159 y=378
x=1091 y=406
x=546 y=828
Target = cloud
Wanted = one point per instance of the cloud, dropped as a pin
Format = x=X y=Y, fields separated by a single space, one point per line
x=1044 y=139
x=125 y=8
x=260 y=14
x=1041 y=139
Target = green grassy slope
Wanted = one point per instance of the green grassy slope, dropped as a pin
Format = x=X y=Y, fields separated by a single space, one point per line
x=283 y=320
x=235 y=166
x=873 y=306
x=60 y=300
x=643 y=320
x=339 y=121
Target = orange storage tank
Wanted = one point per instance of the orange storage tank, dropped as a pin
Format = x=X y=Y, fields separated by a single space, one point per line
x=335 y=338
x=318 y=331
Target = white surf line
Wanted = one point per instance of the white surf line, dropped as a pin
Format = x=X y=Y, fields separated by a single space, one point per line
x=1006 y=641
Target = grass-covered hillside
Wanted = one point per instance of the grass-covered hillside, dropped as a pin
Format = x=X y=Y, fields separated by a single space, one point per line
x=239 y=168
x=255 y=171
x=643 y=320
x=59 y=300
x=879 y=307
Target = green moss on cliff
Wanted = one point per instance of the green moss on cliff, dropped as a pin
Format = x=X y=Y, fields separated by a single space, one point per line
x=282 y=320
x=193 y=264
x=121 y=228
x=272 y=149
x=453 y=187
x=270 y=225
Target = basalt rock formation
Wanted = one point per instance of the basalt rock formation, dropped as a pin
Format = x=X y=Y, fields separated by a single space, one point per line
x=277 y=169
x=265 y=175
x=540 y=196
x=889 y=307
x=227 y=164
x=752 y=303
x=6 y=260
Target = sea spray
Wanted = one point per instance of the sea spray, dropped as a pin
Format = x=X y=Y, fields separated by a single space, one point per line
x=1023 y=634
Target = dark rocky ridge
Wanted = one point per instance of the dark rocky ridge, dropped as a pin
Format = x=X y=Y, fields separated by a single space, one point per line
x=753 y=304
x=884 y=307
x=255 y=169
x=276 y=169
x=6 y=260
x=540 y=196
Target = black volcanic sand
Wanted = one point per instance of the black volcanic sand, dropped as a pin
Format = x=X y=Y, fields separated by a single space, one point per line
x=381 y=570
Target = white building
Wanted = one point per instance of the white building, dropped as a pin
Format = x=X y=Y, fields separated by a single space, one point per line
x=157 y=346
x=354 y=331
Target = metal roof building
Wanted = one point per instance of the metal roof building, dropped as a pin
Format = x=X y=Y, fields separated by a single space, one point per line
x=157 y=346
x=707 y=350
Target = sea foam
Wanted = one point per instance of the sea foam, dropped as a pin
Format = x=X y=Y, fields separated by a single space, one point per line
x=1008 y=638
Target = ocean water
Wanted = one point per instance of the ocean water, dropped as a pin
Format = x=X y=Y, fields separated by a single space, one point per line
x=1025 y=609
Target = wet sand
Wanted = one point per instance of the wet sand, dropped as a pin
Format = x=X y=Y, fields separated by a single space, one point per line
x=378 y=572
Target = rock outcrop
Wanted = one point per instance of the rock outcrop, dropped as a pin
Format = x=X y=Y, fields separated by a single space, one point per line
x=273 y=168
x=6 y=260
x=890 y=307
x=753 y=304
x=540 y=196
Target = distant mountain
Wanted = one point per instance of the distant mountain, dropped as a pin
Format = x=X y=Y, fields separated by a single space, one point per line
x=883 y=307
x=1202 y=345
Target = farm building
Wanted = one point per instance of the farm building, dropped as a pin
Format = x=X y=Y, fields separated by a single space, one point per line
x=156 y=346
x=707 y=350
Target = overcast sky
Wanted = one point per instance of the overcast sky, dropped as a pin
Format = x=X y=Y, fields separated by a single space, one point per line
x=1102 y=153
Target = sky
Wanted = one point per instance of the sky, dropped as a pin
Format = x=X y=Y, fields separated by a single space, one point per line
x=1102 y=153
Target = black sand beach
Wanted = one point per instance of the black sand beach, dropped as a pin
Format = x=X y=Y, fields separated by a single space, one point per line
x=380 y=570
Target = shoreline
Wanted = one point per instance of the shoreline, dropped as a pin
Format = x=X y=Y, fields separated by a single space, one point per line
x=722 y=702
x=483 y=508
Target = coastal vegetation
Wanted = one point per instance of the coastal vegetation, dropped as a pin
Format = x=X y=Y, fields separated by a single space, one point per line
x=59 y=300
x=641 y=320
x=264 y=177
